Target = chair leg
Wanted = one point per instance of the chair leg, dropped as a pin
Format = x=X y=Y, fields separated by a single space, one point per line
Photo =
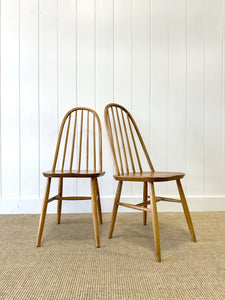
x=43 y=212
x=155 y=224
x=59 y=207
x=94 y=210
x=186 y=210
x=99 y=203
x=145 y=198
x=115 y=208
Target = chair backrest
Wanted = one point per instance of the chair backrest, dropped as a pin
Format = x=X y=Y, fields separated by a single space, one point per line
x=79 y=145
x=127 y=145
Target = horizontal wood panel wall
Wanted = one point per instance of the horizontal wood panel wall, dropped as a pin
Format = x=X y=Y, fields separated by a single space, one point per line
x=162 y=59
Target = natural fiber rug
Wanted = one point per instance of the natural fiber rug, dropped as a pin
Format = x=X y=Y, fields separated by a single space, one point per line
x=68 y=266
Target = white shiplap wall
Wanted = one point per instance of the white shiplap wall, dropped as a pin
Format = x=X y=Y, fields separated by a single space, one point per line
x=163 y=59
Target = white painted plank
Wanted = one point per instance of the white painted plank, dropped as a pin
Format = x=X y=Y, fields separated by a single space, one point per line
x=66 y=56
x=29 y=119
x=195 y=98
x=177 y=90
x=85 y=66
x=48 y=93
x=10 y=104
x=123 y=12
x=67 y=71
x=123 y=53
x=159 y=86
x=104 y=87
x=86 y=53
x=141 y=74
x=159 y=82
x=0 y=114
x=223 y=92
x=213 y=99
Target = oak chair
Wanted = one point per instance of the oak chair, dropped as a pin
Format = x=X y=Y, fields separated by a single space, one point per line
x=78 y=154
x=129 y=155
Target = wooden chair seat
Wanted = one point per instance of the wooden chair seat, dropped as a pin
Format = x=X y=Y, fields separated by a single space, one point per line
x=73 y=173
x=150 y=176
x=129 y=156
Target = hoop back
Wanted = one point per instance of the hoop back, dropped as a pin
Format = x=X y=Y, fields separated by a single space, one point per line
x=79 y=144
x=127 y=145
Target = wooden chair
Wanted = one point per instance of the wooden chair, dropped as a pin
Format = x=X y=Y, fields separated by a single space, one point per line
x=129 y=152
x=78 y=155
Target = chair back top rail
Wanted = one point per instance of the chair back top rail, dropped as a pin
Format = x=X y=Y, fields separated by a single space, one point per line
x=127 y=145
x=75 y=149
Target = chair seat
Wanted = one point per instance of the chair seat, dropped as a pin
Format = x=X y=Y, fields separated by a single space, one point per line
x=150 y=176
x=73 y=173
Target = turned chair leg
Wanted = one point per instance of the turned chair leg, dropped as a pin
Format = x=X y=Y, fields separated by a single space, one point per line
x=59 y=207
x=145 y=198
x=115 y=207
x=99 y=203
x=186 y=210
x=155 y=225
x=43 y=212
x=94 y=210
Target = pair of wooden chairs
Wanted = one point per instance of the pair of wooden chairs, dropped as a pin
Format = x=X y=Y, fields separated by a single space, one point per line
x=79 y=155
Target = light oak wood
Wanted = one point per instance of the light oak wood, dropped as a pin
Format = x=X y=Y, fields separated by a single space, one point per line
x=111 y=140
x=135 y=146
x=123 y=133
x=99 y=204
x=94 y=210
x=128 y=144
x=115 y=207
x=72 y=132
x=135 y=206
x=167 y=199
x=150 y=176
x=94 y=145
x=87 y=143
x=43 y=212
x=57 y=197
x=186 y=210
x=80 y=146
x=145 y=197
x=122 y=139
x=117 y=143
x=59 y=207
x=155 y=225
x=73 y=173
x=66 y=142
x=73 y=142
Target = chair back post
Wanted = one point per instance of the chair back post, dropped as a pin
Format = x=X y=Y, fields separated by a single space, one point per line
x=110 y=137
x=99 y=139
x=59 y=140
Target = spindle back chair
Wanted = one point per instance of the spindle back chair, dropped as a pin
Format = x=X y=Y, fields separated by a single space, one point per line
x=78 y=154
x=132 y=163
